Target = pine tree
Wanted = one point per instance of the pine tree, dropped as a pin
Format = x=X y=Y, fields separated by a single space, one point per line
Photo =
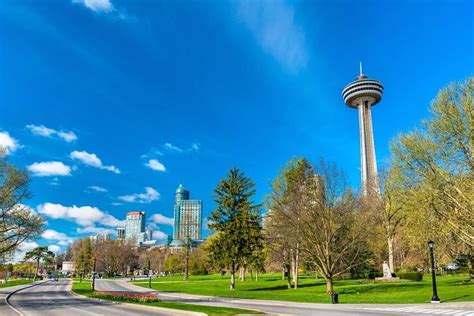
x=237 y=222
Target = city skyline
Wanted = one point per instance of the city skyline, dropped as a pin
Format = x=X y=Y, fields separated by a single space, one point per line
x=111 y=109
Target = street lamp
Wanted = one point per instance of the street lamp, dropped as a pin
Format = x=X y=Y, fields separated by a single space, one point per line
x=435 y=298
x=93 y=275
x=149 y=274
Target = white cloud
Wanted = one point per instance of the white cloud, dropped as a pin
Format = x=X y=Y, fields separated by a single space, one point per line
x=155 y=165
x=195 y=147
x=67 y=136
x=44 y=131
x=49 y=168
x=159 y=235
x=172 y=148
x=8 y=143
x=161 y=219
x=148 y=196
x=273 y=25
x=54 y=248
x=62 y=239
x=98 y=189
x=92 y=160
x=97 y=6
x=82 y=215
x=95 y=230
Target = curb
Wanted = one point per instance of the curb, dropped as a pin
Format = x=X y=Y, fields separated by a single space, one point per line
x=18 y=290
x=155 y=308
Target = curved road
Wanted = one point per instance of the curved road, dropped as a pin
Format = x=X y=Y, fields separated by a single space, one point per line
x=55 y=298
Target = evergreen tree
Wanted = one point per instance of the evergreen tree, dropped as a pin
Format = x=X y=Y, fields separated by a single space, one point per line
x=39 y=254
x=237 y=221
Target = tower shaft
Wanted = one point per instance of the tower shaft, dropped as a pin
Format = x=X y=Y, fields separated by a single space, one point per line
x=368 y=164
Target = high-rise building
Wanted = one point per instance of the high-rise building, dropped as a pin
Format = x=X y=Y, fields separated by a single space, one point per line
x=120 y=232
x=187 y=217
x=134 y=226
x=362 y=94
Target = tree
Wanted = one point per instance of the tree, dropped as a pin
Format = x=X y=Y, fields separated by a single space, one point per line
x=17 y=222
x=237 y=222
x=438 y=160
x=332 y=229
x=83 y=255
x=173 y=264
x=39 y=254
x=286 y=202
x=386 y=214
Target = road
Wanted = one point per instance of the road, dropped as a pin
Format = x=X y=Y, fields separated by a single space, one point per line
x=56 y=299
x=294 y=308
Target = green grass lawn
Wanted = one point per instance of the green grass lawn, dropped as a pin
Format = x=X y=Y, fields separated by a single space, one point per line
x=85 y=289
x=16 y=282
x=451 y=288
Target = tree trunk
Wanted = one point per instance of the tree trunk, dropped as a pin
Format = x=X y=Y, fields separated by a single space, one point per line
x=288 y=275
x=186 y=267
x=297 y=259
x=283 y=274
x=329 y=286
x=390 y=254
x=256 y=275
x=232 y=278
x=36 y=270
x=244 y=270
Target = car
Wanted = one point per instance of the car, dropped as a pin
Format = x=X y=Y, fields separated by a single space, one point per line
x=53 y=278
x=451 y=266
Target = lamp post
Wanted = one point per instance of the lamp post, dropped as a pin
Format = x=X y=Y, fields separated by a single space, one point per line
x=435 y=298
x=93 y=275
x=149 y=274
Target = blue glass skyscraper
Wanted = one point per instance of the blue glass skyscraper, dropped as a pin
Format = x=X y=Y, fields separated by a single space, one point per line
x=187 y=216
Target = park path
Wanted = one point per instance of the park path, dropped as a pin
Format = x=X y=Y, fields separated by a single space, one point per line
x=296 y=308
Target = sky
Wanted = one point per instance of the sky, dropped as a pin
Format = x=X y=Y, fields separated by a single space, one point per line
x=112 y=104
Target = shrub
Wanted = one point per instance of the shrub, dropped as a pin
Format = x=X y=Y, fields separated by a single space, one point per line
x=413 y=276
x=374 y=274
x=403 y=269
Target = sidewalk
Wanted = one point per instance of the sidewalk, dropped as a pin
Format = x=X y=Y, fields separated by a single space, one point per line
x=461 y=308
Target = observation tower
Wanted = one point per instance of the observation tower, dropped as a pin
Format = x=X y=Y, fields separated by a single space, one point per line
x=362 y=94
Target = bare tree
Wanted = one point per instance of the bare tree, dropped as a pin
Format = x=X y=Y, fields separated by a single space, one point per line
x=332 y=231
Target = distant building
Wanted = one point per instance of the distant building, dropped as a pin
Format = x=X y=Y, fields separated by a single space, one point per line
x=187 y=218
x=134 y=226
x=68 y=267
x=99 y=237
x=120 y=232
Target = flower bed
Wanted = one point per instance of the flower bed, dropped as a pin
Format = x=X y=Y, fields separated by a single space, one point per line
x=127 y=297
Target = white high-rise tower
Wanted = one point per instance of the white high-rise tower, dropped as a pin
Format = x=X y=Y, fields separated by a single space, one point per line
x=362 y=94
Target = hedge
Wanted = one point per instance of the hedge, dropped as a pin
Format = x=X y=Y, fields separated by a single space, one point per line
x=413 y=276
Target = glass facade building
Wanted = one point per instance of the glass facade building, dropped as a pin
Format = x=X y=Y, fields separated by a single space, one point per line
x=187 y=217
x=134 y=226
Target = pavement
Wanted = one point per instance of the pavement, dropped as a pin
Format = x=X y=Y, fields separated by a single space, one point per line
x=295 y=308
x=56 y=299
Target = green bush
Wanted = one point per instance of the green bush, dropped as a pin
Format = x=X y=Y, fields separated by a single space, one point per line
x=413 y=276
x=374 y=274
x=404 y=269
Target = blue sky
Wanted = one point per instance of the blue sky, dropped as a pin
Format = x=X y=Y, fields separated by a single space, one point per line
x=112 y=104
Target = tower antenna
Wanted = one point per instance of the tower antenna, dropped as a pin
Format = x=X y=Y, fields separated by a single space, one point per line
x=360 y=67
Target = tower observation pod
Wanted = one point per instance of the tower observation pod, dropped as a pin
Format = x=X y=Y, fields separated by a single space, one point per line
x=362 y=94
